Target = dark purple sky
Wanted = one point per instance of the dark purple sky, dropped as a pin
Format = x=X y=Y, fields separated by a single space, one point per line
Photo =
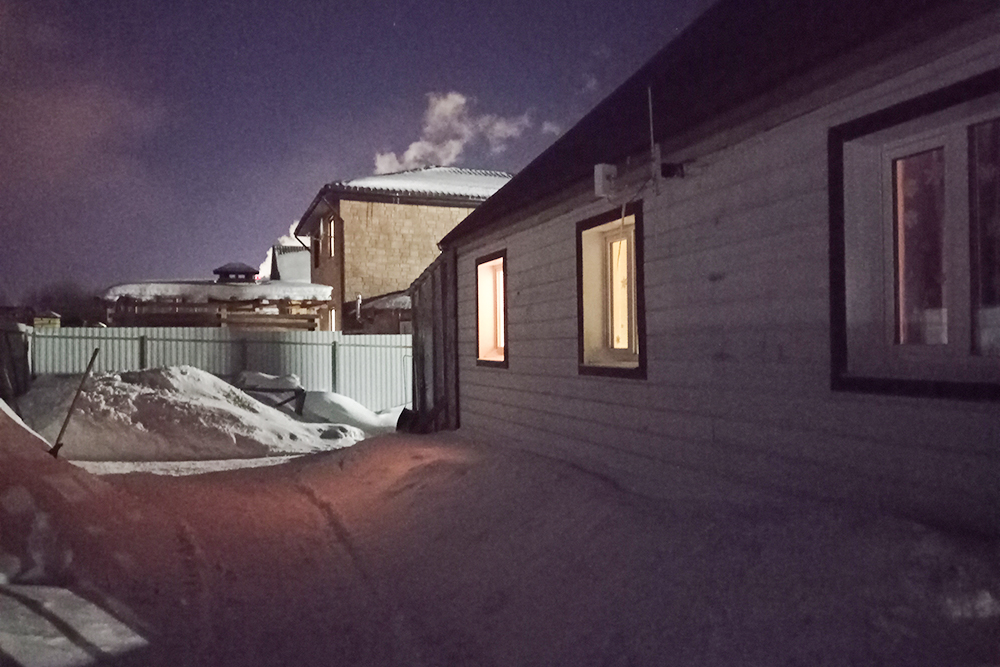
x=150 y=139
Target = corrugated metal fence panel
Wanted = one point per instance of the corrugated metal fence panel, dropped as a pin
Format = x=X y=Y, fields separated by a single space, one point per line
x=376 y=369
x=307 y=354
x=210 y=349
x=67 y=350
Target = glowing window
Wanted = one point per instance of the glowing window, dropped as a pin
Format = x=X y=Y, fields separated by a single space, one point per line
x=609 y=282
x=491 y=309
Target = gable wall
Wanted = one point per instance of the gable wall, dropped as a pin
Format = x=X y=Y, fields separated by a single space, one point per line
x=386 y=246
x=737 y=311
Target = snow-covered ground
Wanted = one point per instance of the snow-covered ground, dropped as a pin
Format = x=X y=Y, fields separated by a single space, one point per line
x=433 y=550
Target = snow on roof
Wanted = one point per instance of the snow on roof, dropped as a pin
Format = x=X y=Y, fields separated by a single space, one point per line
x=199 y=291
x=391 y=301
x=477 y=184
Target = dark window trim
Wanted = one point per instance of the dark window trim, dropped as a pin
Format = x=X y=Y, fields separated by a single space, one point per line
x=506 y=340
x=639 y=372
x=987 y=83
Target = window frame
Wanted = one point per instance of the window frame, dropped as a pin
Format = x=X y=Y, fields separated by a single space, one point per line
x=480 y=361
x=952 y=370
x=329 y=227
x=637 y=297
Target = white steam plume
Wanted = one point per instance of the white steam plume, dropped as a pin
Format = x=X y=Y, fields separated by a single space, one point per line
x=449 y=126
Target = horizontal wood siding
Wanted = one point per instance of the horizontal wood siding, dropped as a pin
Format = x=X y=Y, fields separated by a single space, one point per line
x=737 y=311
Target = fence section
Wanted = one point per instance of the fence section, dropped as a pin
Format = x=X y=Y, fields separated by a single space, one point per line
x=372 y=369
x=376 y=369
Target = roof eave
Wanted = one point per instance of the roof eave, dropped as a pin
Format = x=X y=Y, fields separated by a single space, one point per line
x=340 y=191
x=568 y=162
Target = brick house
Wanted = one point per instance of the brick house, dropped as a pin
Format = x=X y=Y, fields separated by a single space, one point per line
x=372 y=236
x=792 y=285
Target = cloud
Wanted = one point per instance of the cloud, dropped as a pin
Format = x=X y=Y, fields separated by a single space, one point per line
x=79 y=176
x=66 y=126
x=82 y=135
x=450 y=125
x=548 y=127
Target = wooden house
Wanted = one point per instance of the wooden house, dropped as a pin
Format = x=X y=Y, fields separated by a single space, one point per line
x=770 y=257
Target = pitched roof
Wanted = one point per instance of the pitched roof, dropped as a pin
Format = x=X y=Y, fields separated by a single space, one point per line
x=738 y=52
x=473 y=184
x=440 y=186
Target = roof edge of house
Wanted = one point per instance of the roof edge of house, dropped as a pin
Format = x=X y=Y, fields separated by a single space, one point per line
x=935 y=17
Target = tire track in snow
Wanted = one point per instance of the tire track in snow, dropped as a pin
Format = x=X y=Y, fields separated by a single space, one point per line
x=405 y=648
x=194 y=593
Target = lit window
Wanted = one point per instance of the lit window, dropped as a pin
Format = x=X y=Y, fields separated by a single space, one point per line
x=921 y=242
x=491 y=309
x=609 y=283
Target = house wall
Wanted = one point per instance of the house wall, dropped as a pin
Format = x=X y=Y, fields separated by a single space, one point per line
x=386 y=246
x=327 y=269
x=738 y=321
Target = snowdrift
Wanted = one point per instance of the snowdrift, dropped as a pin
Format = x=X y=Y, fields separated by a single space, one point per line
x=170 y=414
x=58 y=522
x=327 y=406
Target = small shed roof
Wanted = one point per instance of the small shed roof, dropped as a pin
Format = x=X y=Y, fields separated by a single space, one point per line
x=737 y=53
x=235 y=268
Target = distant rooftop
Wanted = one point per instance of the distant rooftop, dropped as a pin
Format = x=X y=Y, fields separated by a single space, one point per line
x=476 y=184
x=434 y=186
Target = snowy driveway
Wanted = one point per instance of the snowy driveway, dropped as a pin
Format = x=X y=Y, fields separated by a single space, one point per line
x=433 y=551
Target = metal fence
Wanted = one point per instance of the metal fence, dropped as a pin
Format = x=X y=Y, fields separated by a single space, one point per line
x=375 y=370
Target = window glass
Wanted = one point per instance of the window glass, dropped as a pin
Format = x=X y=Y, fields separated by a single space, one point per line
x=921 y=310
x=608 y=297
x=984 y=192
x=491 y=289
x=920 y=207
x=620 y=293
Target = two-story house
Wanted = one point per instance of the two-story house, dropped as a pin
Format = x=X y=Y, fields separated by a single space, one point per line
x=372 y=236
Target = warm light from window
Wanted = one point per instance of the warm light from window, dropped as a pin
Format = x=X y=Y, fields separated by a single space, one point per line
x=608 y=286
x=498 y=304
x=491 y=289
x=619 y=294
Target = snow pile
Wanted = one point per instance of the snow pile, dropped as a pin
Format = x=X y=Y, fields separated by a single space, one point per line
x=325 y=406
x=339 y=409
x=170 y=414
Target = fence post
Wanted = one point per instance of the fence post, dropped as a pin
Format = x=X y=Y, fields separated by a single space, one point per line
x=142 y=353
x=333 y=362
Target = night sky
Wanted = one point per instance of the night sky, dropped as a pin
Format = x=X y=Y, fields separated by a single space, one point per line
x=148 y=139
